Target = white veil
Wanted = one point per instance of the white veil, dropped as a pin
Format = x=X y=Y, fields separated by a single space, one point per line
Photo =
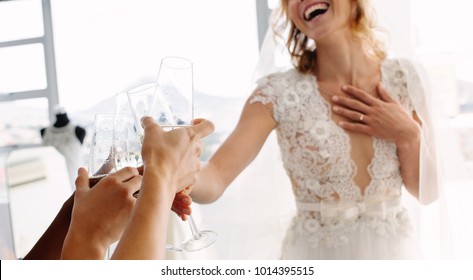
x=443 y=229
x=263 y=197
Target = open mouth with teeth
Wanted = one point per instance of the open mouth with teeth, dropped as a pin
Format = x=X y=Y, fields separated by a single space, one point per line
x=315 y=10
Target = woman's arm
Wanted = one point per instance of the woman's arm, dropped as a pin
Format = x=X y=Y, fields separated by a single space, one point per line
x=235 y=154
x=408 y=151
x=100 y=214
x=145 y=234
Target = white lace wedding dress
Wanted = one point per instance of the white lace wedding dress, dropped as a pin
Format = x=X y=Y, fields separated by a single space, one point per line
x=334 y=219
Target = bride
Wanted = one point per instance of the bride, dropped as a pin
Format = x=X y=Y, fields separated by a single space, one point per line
x=352 y=128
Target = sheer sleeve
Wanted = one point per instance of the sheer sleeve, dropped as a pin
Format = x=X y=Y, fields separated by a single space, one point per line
x=430 y=171
x=441 y=231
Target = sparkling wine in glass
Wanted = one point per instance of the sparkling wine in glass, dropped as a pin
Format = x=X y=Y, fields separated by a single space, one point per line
x=109 y=147
x=123 y=108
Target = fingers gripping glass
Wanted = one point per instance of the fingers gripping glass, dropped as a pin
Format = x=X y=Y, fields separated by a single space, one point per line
x=170 y=102
x=137 y=102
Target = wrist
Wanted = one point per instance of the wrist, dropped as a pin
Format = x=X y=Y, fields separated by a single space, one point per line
x=409 y=142
x=66 y=209
x=81 y=246
x=163 y=175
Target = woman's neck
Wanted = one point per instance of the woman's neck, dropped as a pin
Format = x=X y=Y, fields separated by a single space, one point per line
x=344 y=61
x=61 y=120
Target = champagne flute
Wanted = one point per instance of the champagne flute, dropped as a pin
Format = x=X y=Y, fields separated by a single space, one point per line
x=134 y=104
x=108 y=150
x=148 y=100
x=123 y=108
x=175 y=81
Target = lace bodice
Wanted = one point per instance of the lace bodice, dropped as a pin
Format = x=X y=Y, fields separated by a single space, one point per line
x=315 y=150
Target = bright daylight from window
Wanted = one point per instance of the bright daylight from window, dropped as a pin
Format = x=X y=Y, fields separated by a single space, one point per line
x=105 y=47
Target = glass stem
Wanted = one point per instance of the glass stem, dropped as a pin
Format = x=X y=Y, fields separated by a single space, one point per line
x=195 y=231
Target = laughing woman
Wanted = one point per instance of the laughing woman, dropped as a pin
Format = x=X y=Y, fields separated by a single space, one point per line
x=348 y=130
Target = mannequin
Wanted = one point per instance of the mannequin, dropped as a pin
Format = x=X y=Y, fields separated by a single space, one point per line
x=67 y=138
x=61 y=121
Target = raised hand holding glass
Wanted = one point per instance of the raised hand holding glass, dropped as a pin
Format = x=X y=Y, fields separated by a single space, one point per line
x=175 y=80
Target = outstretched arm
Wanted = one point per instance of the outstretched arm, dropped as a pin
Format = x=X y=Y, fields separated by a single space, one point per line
x=235 y=154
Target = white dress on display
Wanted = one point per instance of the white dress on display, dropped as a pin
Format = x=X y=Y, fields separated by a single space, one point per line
x=65 y=141
x=335 y=219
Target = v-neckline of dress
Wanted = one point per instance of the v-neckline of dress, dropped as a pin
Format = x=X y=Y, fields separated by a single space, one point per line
x=361 y=193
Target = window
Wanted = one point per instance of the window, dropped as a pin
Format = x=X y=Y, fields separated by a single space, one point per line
x=28 y=89
x=104 y=47
x=445 y=48
x=23 y=18
x=23 y=68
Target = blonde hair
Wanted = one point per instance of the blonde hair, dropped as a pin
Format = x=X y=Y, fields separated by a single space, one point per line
x=302 y=49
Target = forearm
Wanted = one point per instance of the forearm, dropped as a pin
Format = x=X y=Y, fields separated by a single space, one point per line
x=209 y=185
x=409 y=159
x=82 y=247
x=235 y=154
x=79 y=246
x=49 y=246
x=145 y=234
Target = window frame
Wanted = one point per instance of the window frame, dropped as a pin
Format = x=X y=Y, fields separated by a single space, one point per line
x=47 y=40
